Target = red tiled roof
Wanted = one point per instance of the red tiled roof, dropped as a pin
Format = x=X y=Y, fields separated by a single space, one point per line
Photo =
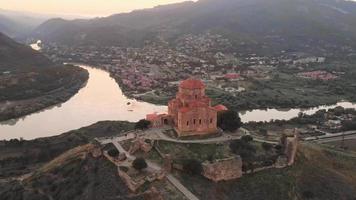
x=184 y=109
x=220 y=107
x=151 y=117
x=192 y=84
x=195 y=104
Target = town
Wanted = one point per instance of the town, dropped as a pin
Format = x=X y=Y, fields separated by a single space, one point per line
x=151 y=73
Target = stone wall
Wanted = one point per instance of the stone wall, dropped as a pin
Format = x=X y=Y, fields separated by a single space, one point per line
x=140 y=144
x=291 y=147
x=223 y=170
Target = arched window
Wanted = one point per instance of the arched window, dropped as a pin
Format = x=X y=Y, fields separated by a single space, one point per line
x=199 y=121
x=211 y=120
x=194 y=121
x=187 y=123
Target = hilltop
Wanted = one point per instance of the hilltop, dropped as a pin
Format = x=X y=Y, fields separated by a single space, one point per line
x=320 y=173
x=16 y=57
x=29 y=81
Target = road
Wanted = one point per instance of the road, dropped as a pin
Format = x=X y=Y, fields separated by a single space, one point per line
x=181 y=187
x=335 y=139
x=157 y=134
x=336 y=136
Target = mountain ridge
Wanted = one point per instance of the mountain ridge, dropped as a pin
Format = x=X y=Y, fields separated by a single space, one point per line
x=15 y=56
x=277 y=24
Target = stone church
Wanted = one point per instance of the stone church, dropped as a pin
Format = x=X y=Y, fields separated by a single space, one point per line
x=190 y=113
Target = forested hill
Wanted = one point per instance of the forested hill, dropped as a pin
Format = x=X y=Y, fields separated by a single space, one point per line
x=16 y=57
x=271 y=24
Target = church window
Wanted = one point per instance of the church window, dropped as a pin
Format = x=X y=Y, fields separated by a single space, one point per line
x=199 y=121
x=211 y=120
x=187 y=123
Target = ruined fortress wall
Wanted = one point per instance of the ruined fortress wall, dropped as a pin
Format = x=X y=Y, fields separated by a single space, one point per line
x=222 y=170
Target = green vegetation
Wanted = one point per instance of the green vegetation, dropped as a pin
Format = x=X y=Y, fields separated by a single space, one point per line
x=139 y=164
x=16 y=57
x=286 y=90
x=113 y=152
x=229 y=120
x=318 y=172
x=19 y=157
x=244 y=148
x=38 y=82
x=142 y=124
x=200 y=152
x=74 y=177
x=193 y=167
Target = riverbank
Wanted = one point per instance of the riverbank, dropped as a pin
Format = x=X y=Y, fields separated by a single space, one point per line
x=19 y=157
x=29 y=92
x=283 y=91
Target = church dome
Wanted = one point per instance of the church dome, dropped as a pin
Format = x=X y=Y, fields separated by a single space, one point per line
x=192 y=84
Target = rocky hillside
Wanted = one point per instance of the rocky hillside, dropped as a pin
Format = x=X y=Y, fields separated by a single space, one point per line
x=271 y=24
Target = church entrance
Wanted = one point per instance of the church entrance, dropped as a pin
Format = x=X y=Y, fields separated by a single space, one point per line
x=165 y=121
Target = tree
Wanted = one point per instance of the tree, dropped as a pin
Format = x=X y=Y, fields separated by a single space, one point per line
x=247 y=138
x=267 y=147
x=139 y=164
x=113 y=152
x=143 y=124
x=244 y=149
x=229 y=121
x=348 y=125
x=263 y=132
x=192 y=166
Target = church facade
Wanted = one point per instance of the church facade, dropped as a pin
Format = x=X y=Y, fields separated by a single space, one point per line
x=190 y=113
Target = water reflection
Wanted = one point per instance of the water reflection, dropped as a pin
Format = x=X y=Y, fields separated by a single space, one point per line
x=101 y=99
x=286 y=114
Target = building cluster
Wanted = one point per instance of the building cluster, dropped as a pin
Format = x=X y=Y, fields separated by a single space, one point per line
x=318 y=75
x=159 y=65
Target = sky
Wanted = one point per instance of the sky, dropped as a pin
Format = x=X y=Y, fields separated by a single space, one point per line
x=90 y=8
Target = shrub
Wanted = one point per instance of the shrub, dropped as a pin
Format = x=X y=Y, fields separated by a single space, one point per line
x=244 y=149
x=247 y=138
x=113 y=152
x=139 y=164
x=266 y=146
x=192 y=166
x=143 y=124
x=229 y=121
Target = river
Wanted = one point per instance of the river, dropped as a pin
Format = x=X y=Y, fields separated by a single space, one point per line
x=102 y=99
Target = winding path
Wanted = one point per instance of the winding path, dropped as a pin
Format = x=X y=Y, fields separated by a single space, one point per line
x=115 y=141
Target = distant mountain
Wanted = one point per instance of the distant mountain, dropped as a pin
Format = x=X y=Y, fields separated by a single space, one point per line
x=19 y=25
x=17 y=57
x=272 y=24
x=8 y=26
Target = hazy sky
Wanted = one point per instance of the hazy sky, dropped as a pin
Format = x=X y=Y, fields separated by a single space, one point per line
x=81 y=7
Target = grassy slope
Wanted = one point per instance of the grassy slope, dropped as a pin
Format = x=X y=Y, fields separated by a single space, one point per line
x=73 y=175
x=319 y=173
x=17 y=158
